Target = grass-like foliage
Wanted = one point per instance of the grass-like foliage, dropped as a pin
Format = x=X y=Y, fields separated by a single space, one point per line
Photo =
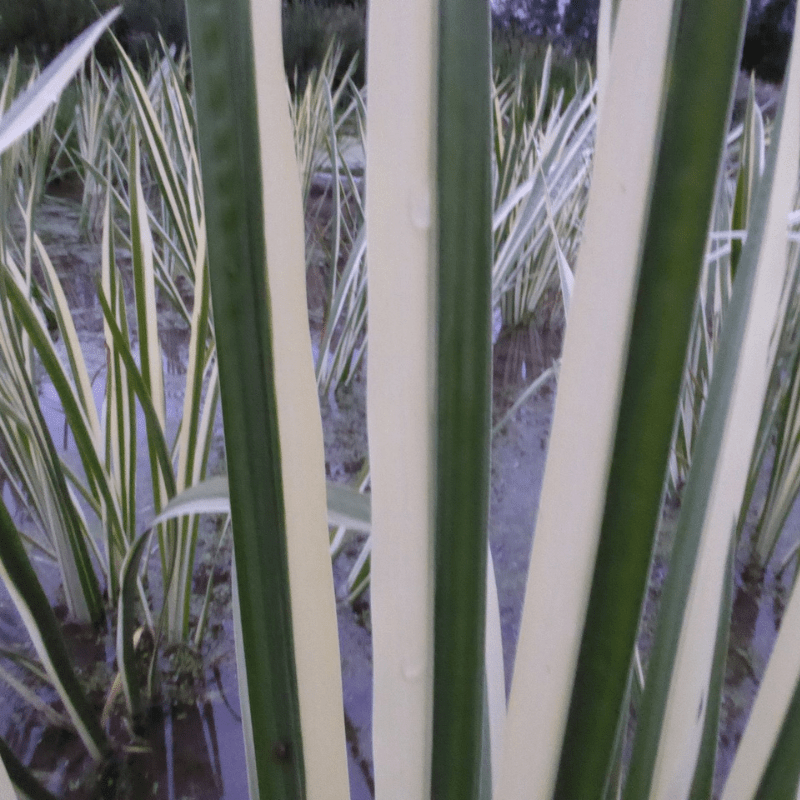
x=626 y=208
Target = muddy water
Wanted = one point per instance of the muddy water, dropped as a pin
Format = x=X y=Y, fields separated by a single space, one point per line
x=192 y=748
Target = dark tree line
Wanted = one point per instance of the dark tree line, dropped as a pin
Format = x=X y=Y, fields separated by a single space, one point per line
x=42 y=27
x=766 y=47
x=768 y=39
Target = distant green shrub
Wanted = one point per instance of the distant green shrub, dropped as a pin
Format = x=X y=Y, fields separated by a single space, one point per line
x=40 y=28
x=514 y=51
x=144 y=21
x=310 y=27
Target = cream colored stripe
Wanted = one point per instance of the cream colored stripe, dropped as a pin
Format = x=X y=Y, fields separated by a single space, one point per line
x=401 y=187
x=300 y=426
x=573 y=493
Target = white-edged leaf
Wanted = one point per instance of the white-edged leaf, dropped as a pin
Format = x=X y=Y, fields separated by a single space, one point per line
x=781 y=676
x=359 y=575
x=565 y=275
x=80 y=374
x=567 y=532
x=32 y=104
x=682 y=729
x=315 y=633
x=400 y=154
x=208 y=497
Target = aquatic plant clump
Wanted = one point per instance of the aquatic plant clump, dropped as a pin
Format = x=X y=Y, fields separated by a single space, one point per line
x=134 y=377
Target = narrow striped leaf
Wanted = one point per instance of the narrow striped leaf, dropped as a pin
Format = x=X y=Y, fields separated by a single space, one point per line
x=73 y=409
x=228 y=133
x=59 y=513
x=150 y=359
x=350 y=292
x=158 y=449
x=359 y=576
x=120 y=410
x=45 y=633
x=207 y=497
x=170 y=184
x=110 y=516
x=191 y=449
x=566 y=277
x=666 y=751
x=126 y=625
x=655 y=171
x=270 y=409
x=33 y=103
x=703 y=781
x=69 y=334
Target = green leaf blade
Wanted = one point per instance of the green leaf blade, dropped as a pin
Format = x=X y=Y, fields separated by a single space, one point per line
x=228 y=136
x=464 y=214
x=694 y=128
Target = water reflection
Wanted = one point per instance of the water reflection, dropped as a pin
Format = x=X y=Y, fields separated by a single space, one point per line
x=189 y=752
x=182 y=759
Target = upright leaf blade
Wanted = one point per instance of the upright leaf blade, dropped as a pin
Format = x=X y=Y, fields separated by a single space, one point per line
x=236 y=93
x=220 y=35
x=313 y=609
x=655 y=171
x=401 y=218
x=463 y=386
x=566 y=538
x=698 y=95
x=694 y=589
